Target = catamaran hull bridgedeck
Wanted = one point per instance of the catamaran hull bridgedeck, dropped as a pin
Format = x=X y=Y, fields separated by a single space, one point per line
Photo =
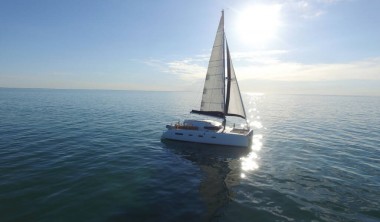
x=227 y=139
x=209 y=132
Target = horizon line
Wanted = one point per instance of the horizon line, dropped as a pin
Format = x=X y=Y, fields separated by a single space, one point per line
x=141 y=90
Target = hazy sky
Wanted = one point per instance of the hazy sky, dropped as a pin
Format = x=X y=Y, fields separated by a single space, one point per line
x=287 y=46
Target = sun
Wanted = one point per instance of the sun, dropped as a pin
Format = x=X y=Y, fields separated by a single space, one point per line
x=258 y=24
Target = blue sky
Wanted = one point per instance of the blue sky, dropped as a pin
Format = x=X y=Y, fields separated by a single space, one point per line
x=288 y=46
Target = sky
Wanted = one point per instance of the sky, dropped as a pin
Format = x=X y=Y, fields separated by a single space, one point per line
x=290 y=46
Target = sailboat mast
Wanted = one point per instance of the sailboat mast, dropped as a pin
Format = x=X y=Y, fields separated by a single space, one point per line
x=224 y=75
x=224 y=65
x=228 y=81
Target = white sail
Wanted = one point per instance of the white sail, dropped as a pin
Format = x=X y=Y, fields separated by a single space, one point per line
x=213 y=98
x=234 y=101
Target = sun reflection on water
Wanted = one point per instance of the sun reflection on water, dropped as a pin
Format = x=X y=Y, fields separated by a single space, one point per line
x=250 y=161
x=256 y=124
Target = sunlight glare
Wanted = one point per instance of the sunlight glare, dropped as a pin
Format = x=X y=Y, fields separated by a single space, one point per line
x=249 y=163
x=256 y=142
x=256 y=124
x=258 y=24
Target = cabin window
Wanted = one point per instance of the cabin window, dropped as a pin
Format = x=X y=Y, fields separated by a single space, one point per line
x=181 y=134
x=200 y=136
x=213 y=137
x=190 y=134
x=215 y=128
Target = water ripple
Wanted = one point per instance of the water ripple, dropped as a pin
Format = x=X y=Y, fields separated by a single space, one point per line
x=97 y=156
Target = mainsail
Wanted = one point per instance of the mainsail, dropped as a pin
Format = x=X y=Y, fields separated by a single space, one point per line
x=213 y=97
x=215 y=101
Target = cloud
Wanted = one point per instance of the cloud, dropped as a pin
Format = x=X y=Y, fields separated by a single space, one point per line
x=310 y=8
x=265 y=57
x=367 y=69
x=187 y=69
x=268 y=65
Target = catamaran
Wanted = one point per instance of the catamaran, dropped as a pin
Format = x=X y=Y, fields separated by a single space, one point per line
x=221 y=98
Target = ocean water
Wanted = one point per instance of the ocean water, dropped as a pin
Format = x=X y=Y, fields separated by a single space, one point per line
x=87 y=155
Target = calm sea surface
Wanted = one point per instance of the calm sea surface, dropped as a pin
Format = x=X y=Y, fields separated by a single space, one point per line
x=82 y=155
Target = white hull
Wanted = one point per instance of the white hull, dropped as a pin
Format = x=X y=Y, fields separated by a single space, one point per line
x=195 y=136
x=225 y=137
